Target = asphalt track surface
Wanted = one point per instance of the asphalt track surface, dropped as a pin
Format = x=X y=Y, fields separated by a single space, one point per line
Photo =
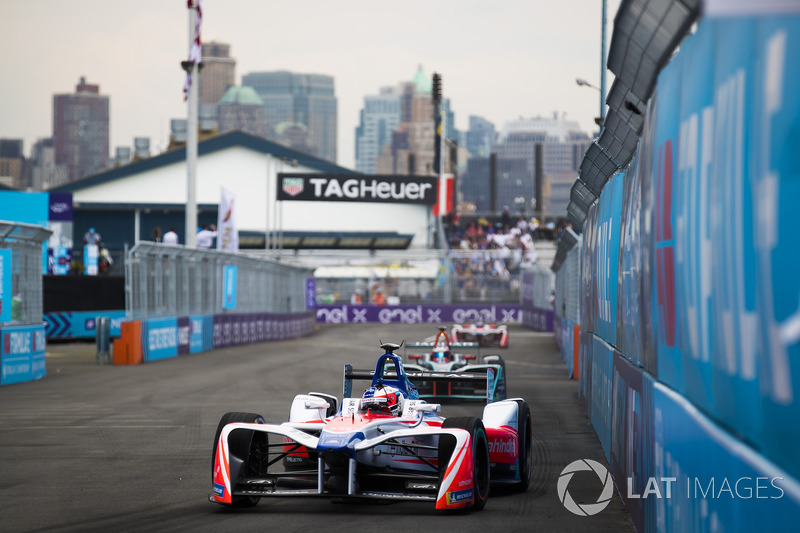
x=128 y=448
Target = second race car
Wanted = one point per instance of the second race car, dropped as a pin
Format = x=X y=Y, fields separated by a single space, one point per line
x=442 y=355
x=484 y=334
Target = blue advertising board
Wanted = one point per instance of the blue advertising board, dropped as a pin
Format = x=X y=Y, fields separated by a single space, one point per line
x=606 y=245
x=160 y=338
x=229 y=282
x=22 y=354
x=720 y=484
x=80 y=324
x=201 y=333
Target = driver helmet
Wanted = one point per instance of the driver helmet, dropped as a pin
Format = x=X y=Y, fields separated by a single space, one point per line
x=383 y=398
x=441 y=353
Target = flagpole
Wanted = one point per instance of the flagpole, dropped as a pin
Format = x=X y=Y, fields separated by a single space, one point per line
x=191 y=138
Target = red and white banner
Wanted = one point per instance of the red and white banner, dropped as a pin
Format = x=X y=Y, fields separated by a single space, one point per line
x=227 y=232
x=445 y=196
x=196 y=50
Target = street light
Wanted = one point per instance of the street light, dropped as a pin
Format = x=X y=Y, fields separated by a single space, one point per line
x=601 y=119
x=585 y=83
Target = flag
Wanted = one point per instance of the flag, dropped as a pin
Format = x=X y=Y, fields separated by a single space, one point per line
x=227 y=232
x=444 y=196
x=196 y=50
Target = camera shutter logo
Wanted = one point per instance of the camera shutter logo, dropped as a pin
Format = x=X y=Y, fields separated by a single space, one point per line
x=585 y=509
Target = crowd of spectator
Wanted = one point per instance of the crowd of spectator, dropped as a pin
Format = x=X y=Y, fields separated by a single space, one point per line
x=487 y=257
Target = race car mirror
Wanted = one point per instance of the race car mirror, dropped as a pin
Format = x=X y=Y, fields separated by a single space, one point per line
x=316 y=403
x=427 y=407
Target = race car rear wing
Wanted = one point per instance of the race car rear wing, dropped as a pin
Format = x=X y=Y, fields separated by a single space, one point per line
x=474 y=378
x=429 y=345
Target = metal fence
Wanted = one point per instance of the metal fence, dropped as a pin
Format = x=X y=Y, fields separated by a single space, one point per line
x=21 y=252
x=414 y=276
x=165 y=280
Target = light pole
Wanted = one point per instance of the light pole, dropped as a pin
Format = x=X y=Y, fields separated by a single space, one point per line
x=602 y=118
x=602 y=89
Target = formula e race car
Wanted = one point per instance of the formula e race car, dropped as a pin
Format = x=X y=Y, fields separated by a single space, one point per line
x=484 y=334
x=446 y=356
x=387 y=444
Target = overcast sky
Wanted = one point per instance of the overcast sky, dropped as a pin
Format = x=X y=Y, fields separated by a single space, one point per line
x=499 y=59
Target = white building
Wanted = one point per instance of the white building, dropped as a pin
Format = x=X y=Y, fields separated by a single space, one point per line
x=126 y=203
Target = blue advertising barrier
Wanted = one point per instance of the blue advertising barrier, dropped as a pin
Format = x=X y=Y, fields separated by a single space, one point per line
x=601 y=398
x=629 y=279
x=609 y=214
x=698 y=389
x=22 y=354
x=80 y=324
x=725 y=259
x=163 y=338
x=720 y=484
x=160 y=338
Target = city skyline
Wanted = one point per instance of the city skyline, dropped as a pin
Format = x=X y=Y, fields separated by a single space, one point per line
x=491 y=58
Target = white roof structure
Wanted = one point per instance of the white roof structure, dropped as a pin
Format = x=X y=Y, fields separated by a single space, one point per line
x=248 y=166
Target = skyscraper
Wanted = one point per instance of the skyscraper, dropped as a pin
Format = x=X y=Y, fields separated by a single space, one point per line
x=242 y=109
x=298 y=102
x=379 y=119
x=396 y=134
x=535 y=157
x=218 y=74
x=480 y=136
x=12 y=162
x=80 y=130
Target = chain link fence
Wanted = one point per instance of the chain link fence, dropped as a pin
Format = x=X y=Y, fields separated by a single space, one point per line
x=21 y=256
x=165 y=280
x=414 y=276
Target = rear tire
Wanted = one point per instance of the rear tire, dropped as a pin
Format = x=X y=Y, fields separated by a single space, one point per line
x=240 y=442
x=525 y=446
x=480 y=456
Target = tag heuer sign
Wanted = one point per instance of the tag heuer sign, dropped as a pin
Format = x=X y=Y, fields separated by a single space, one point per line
x=293 y=186
x=358 y=188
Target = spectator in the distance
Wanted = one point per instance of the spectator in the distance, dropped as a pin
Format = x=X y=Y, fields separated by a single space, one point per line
x=205 y=237
x=170 y=237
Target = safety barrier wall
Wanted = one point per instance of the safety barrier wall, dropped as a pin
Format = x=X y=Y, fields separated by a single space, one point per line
x=689 y=350
x=149 y=340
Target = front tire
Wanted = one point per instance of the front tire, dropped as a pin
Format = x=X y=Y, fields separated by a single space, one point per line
x=480 y=456
x=239 y=442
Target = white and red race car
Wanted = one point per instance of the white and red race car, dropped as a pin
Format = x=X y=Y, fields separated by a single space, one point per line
x=484 y=334
x=388 y=444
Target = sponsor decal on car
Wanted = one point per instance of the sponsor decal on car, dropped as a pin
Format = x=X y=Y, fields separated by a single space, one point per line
x=219 y=490
x=459 y=496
